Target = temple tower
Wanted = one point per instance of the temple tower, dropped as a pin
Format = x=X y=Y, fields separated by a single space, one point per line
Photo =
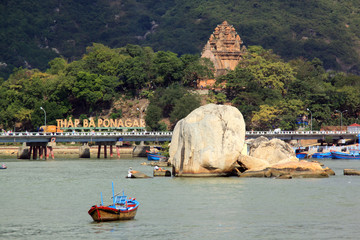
x=224 y=48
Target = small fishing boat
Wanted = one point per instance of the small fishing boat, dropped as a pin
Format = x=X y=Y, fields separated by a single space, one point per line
x=3 y=166
x=321 y=155
x=122 y=208
x=345 y=155
x=300 y=153
x=152 y=156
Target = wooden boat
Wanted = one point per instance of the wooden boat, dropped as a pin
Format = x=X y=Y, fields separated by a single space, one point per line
x=345 y=155
x=321 y=155
x=151 y=156
x=122 y=208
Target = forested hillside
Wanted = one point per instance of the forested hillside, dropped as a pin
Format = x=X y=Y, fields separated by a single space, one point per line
x=106 y=82
x=34 y=32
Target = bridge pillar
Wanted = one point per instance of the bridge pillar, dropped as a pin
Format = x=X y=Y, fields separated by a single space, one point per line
x=23 y=152
x=105 y=149
x=118 y=145
x=84 y=151
x=41 y=148
x=38 y=148
x=111 y=151
x=99 y=151
x=140 y=151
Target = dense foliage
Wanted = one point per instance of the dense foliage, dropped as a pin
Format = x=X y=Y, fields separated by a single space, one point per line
x=34 y=32
x=272 y=93
x=93 y=83
x=269 y=91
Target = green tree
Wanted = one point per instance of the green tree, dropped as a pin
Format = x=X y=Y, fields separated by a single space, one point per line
x=268 y=69
x=168 y=68
x=265 y=118
x=183 y=106
x=153 y=116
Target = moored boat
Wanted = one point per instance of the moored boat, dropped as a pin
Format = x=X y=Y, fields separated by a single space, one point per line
x=122 y=208
x=301 y=155
x=345 y=155
x=151 y=156
x=321 y=155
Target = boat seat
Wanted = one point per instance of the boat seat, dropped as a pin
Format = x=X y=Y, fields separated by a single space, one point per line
x=120 y=200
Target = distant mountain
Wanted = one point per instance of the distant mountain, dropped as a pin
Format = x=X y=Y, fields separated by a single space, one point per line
x=34 y=32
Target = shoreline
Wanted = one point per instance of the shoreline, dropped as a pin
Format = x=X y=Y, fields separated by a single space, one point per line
x=66 y=150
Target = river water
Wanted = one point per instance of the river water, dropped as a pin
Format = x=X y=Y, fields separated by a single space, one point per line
x=50 y=199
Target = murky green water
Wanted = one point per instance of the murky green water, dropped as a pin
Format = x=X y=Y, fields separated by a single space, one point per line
x=50 y=200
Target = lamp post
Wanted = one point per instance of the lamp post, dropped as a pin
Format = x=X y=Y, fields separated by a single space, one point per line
x=341 y=113
x=45 y=116
x=310 y=117
x=140 y=110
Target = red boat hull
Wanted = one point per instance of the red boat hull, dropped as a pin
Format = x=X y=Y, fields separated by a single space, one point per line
x=106 y=213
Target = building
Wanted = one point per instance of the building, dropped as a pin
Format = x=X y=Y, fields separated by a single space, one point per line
x=354 y=128
x=224 y=48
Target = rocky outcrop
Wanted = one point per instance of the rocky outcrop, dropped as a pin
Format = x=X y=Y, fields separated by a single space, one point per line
x=301 y=169
x=273 y=151
x=208 y=141
x=275 y=158
x=264 y=153
x=352 y=172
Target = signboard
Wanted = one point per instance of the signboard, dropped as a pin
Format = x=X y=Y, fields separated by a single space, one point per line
x=106 y=122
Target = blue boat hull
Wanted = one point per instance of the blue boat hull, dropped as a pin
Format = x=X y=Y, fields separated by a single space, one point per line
x=321 y=155
x=155 y=157
x=301 y=155
x=342 y=155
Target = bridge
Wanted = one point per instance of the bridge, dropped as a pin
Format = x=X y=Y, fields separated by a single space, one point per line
x=98 y=137
x=42 y=142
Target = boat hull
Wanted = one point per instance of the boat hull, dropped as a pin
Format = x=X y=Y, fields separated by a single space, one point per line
x=105 y=213
x=341 y=155
x=321 y=155
x=155 y=157
x=301 y=155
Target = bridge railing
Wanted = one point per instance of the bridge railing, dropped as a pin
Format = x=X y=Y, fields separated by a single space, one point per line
x=144 y=133
x=34 y=134
x=300 y=132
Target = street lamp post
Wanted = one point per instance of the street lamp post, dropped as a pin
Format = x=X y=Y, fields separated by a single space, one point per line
x=45 y=116
x=341 y=113
x=310 y=116
x=140 y=110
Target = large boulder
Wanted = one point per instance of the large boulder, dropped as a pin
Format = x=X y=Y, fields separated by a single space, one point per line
x=208 y=141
